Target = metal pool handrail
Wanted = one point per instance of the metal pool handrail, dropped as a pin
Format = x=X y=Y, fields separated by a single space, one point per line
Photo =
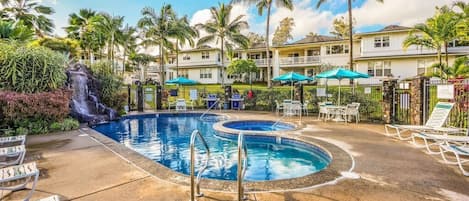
x=242 y=156
x=278 y=121
x=195 y=184
x=210 y=108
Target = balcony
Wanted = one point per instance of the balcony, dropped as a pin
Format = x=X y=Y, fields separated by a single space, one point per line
x=262 y=62
x=194 y=63
x=302 y=60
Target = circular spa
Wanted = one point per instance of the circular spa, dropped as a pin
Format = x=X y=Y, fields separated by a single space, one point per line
x=258 y=125
x=165 y=139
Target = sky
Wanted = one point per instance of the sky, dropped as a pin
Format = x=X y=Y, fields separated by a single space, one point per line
x=369 y=14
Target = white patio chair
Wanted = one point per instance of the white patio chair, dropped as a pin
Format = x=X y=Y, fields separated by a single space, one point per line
x=460 y=152
x=435 y=139
x=352 y=110
x=12 y=155
x=278 y=107
x=22 y=174
x=305 y=107
x=20 y=139
x=436 y=121
x=323 y=111
x=181 y=105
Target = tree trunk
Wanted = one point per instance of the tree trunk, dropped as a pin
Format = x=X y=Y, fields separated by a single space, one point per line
x=267 y=49
x=438 y=52
x=350 y=22
x=177 y=58
x=162 y=78
x=123 y=62
x=446 y=54
x=222 y=69
x=112 y=53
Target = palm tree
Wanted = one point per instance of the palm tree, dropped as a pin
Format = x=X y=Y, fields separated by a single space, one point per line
x=80 y=27
x=157 y=29
x=128 y=41
x=221 y=29
x=185 y=34
x=111 y=26
x=350 y=30
x=267 y=5
x=463 y=26
x=31 y=13
x=437 y=32
x=460 y=68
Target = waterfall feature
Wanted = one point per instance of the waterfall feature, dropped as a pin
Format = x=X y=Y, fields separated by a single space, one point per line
x=85 y=104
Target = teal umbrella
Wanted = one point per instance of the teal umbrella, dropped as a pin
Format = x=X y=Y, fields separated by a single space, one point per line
x=339 y=74
x=292 y=77
x=181 y=81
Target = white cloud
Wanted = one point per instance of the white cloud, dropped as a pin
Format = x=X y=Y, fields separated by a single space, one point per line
x=401 y=12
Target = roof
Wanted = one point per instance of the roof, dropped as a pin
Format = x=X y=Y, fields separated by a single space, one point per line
x=317 y=39
x=387 y=29
x=203 y=47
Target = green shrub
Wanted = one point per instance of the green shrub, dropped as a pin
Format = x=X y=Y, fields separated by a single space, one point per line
x=21 y=131
x=30 y=69
x=56 y=126
x=65 y=125
x=109 y=86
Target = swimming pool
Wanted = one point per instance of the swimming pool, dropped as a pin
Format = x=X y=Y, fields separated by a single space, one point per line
x=164 y=138
x=258 y=125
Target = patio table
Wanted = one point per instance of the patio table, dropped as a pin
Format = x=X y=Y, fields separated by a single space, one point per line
x=337 y=111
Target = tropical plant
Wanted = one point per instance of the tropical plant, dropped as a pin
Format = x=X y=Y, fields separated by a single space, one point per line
x=185 y=34
x=30 y=69
x=31 y=13
x=340 y=27
x=157 y=29
x=350 y=30
x=109 y=85
x=111 y=26
x=255 y=39
x=437 y=32
x=15 y=31
x=283 y=32
x=243 y=66
x=459 y=69
x=267 y=5
x=463 y=26
x=128 y=41
x=66 y=46
x=80 y=28
x=224 y=31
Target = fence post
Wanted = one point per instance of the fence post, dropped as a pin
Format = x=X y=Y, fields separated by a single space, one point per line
x=388 y=104
x=418 y=100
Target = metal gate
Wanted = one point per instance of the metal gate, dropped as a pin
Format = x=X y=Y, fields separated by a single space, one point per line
x=459 y=89
x=401 y=100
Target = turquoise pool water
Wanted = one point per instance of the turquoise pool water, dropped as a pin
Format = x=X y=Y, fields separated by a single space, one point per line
x=258 y=125
x=164 y=138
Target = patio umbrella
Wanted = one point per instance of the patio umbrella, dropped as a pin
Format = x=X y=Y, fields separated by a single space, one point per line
x=181 y=81
x=339 y=74
x=292 y=77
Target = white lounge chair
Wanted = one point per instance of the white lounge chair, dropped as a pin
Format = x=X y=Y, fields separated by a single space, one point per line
x=12 y=155
x=181 y=105
x=435 y=122
x=10 y=176
x=435 y=139
x=460 y=152
x=305 y=108
x=51 y=198
x=12 y=139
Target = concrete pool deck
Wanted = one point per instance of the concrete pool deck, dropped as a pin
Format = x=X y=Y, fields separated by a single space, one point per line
x=77 y=167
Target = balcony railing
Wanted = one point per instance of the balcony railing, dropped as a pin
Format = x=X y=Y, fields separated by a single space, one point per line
x=262 y=62
x=196 y=63
x=300 y=60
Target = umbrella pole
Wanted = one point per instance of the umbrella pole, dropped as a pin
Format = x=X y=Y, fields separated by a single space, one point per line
x=291 y=90
x=339 y=91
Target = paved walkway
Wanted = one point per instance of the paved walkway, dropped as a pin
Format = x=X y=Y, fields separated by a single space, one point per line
x=79 y=168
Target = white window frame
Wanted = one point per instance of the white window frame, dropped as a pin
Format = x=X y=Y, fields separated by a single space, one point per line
x=381 y=68
x=205 y=55
x=186 y=57
x=424 y=64
x=382 y=41
x=205 y=73
x=342 y=49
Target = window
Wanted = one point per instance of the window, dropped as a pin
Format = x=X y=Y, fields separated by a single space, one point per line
x=423 y=65
x=186 y=57
x=337 y=49
x=205 y=55
x=184 y=73
x=205 y=73
x=382 y=41
x=379 y=68
x=458 y=43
